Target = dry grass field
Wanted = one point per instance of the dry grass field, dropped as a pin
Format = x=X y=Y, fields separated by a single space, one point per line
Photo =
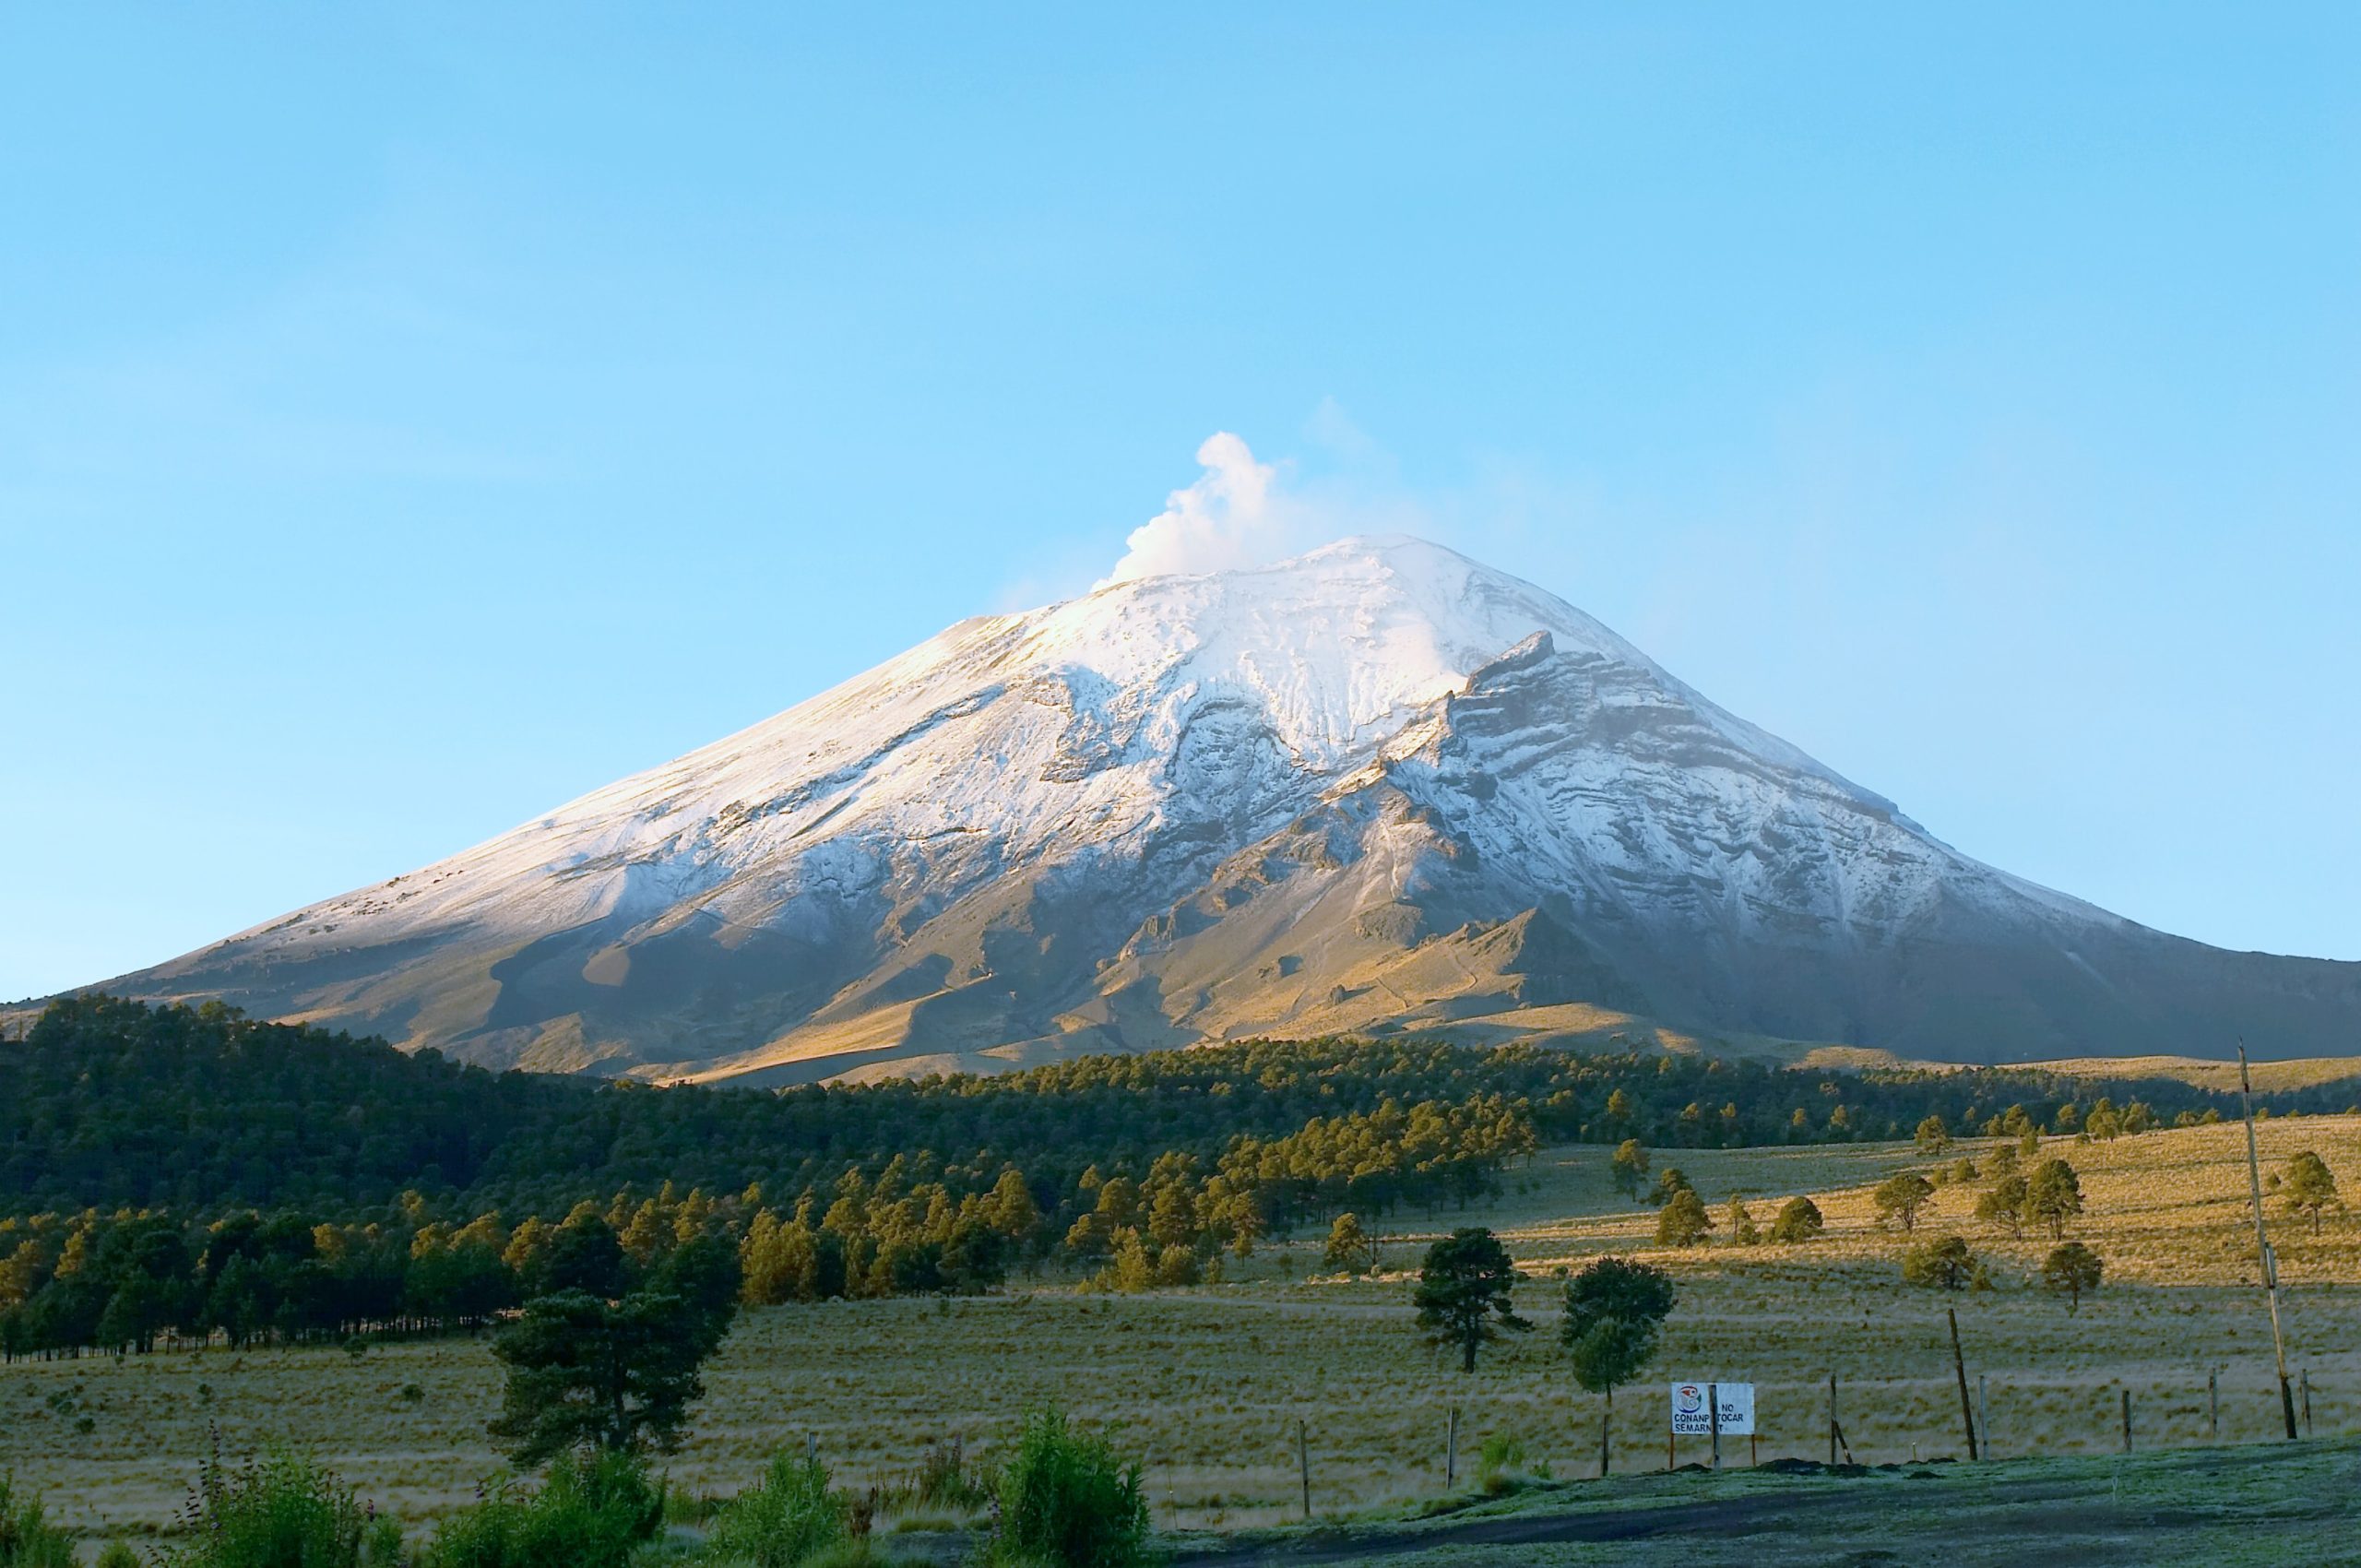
x=1209 y=1384
x=2268 y=1078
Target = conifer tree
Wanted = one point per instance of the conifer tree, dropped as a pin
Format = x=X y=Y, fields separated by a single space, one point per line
x=1615 y=1313
x=2308 y=1187
x=1464 y=1292
x=2071 y=1271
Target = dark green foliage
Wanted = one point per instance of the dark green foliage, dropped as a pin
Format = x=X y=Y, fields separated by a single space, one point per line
x=704 y=1275
x=1464 y=1291
x=611 y=1375
x=278 y=1510
x=1068 y=1498
x=2003 y=1204
x=2308 y=1187
x=592 y=1512
x=2073 y=1271
x=1899 y=1197
x=113 y=1103
x=1799 y=1220
x=1349 y=1248
x=1944 y=1263
x=584 y=1255
x=116 y=1554
x=1744 y=1232
x=2053 y=1196
x=783 y=1519
x=96 y=1102
x=26 y=1540
x=310 y=1187
x=1682 y=1222
x=110 y=1102
x=1629 y=1164
x=1615 y=1313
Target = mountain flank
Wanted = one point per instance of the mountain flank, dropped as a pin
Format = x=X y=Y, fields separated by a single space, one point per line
x=1375 y=789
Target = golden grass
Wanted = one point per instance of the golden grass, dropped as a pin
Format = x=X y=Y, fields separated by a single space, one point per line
x=1208 y=1384
x=2269 y=1077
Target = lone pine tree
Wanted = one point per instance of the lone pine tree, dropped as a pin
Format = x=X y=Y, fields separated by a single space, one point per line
x=2071 y=1271
x=2308 y=1187
x=1464 y=1290
x=1899 y=1198
x=1615 y=1313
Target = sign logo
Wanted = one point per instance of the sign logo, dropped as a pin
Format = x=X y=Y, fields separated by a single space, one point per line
x=1693 y=1408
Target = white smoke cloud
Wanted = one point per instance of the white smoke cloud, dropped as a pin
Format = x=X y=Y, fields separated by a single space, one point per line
x=1235 y=514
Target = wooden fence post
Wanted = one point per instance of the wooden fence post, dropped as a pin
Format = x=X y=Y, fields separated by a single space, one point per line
x=1959 y=1365
x=1451 y=1451
x=1714 y=1415
x=1303 y=1462
x=1983 y=1415
x=2212 y=1405
x=2268 y=1264
x=1832 y=1419
x=2305 y=1376
x=2127 y=1421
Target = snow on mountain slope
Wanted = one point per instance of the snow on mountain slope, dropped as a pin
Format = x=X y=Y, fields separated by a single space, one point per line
x=1377 y=785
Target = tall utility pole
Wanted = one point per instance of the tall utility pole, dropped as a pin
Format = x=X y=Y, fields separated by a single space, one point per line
x=2262 y=1245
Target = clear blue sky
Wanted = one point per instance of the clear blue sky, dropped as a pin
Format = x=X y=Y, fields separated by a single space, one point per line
x=411 y=418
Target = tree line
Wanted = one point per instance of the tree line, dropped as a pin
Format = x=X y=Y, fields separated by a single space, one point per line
x=122 y=1281
x=107 y=1103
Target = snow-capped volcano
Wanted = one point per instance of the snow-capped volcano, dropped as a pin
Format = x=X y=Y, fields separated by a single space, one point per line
x=1378 y=786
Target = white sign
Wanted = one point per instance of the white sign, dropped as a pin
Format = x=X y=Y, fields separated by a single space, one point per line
x=1693 y=1417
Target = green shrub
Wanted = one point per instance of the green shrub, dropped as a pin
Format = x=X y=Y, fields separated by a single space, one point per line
x=786 y=1519
x=118 y=1555
x=1499 y=1464
x=947 y=1482
x=590 y=1514
x=1067 y=1498
x=1942 y=1264
x=1799 y=1220
x=856 y=1551
x=278 y=1511
x=26 y=1540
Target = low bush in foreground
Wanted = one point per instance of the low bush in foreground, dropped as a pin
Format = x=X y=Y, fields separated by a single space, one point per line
x=1068 y=1498
x=787 y=1519
x=1501 y=1466
x=26 y=1540
x=592 y=1512
x=279 y=1511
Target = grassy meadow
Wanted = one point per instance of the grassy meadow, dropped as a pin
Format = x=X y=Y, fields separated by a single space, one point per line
x=1208 y=1384
x=2224 y=1507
